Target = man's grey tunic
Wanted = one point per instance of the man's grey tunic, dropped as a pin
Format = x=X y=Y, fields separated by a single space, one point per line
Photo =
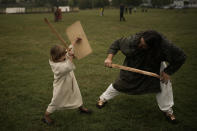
x=134 y=83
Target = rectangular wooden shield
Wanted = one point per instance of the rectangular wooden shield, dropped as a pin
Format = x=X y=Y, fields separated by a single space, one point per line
x=82 y=48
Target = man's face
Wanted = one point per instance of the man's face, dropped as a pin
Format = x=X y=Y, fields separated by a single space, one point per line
x=142 y=44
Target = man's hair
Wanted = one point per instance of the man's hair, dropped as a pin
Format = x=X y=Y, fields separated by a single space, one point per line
x=152 y=39
x=57 y=52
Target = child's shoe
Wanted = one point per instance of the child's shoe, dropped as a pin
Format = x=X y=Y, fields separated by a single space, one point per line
x=47 y=120
x=85 y=110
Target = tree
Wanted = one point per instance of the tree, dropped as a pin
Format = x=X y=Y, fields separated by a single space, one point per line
x=57 y=2
x=71 y=3
x=160 y=3
x=41 y=2
x=83 y=4
x=117 y=3
x=101 y=3
x=8 y=1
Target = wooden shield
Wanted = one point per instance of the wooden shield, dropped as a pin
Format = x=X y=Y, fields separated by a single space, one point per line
x=82 y=48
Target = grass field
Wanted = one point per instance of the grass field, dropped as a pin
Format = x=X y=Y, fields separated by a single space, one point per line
x=26 y=77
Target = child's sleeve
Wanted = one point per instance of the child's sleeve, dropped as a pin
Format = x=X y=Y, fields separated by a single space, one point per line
x=62 y=68
x=66 y=67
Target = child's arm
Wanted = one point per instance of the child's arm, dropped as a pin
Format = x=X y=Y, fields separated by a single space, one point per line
x=71 y=49
x=70 y=54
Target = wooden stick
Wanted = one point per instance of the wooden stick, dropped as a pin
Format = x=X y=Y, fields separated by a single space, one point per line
x=135 y=70
x=56 y=33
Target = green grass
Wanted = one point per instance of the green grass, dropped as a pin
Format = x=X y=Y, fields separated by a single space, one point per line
x=26 y=77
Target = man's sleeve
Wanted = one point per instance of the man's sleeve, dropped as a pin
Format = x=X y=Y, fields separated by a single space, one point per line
x=121 y=44
x=115 y=47
x=173 y=55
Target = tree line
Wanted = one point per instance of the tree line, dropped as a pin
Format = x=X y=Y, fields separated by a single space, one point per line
x=83 y=4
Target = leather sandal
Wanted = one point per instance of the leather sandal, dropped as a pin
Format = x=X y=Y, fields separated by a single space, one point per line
x=171 y=118
x=100 y=104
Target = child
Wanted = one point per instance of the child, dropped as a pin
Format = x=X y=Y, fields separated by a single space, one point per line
x=66 y=93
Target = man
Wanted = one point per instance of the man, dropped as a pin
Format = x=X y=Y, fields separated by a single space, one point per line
x=130 y=9
x=122 y=12
x=147 y=51
x=102 y=11
x=58 y=14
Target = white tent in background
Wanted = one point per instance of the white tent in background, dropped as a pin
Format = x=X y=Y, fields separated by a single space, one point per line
x=65 y=8
x=15 y=10
x=185 y=3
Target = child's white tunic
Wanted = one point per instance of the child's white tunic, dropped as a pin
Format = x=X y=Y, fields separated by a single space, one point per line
x=66 y=93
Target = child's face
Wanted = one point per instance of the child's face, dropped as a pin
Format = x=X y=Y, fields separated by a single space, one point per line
x=63 y=57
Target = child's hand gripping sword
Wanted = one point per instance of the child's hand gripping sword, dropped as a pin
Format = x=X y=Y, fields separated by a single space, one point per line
x=77 y=37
